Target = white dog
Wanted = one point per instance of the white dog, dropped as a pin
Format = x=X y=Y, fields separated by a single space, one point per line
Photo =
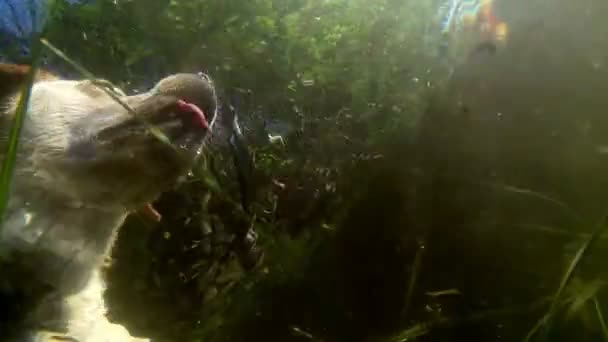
x=84 y=162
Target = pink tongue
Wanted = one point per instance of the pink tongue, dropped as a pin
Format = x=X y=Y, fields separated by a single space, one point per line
x=192 y=108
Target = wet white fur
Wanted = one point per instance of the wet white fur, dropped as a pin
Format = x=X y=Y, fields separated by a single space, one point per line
x=31 y=214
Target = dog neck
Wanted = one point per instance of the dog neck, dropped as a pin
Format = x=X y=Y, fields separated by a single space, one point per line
x=68 y=242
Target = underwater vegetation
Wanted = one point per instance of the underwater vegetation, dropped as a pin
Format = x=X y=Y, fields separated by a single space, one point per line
x=419 y=182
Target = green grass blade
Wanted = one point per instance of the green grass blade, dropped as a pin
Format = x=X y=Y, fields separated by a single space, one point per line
x=600 y=317
x=532 y=194
x=13 y=139
x=546 y=320
x=416 y=269
x=536 y=328
x=153 y=130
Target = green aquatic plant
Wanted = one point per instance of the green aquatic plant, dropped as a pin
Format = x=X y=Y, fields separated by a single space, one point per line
x=525 y=192
x=572 y=266
x=579 y=294
x=415 y=273
x=10 y=156
x=566 y=279
x=600 y=317
x=419 y=329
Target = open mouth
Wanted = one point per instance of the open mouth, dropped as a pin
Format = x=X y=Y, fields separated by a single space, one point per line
x=199 y=118
x=175 y=118
x=198 y=115
x=179 y=117
x=183 y=114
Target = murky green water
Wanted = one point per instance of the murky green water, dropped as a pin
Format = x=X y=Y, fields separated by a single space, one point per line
x=422 y=172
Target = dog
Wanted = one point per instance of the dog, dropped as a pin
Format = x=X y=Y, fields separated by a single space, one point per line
x=84 y=162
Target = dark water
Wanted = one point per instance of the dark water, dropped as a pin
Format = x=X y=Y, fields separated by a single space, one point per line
x=491 y=196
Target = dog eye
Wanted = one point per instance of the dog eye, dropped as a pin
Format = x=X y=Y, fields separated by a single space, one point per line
x=204 y=76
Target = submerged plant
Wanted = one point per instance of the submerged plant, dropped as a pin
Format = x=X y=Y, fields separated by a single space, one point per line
x=566 y=280
x=13 y=140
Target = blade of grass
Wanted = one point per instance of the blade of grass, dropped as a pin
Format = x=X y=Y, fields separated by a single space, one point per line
x=13 y=139
x=423 y=328
x=567 y=277
x=416 y=267
x=154 y=130
x=533 y=194
x=536 y=328
x=572 y=267
x=600 y=317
